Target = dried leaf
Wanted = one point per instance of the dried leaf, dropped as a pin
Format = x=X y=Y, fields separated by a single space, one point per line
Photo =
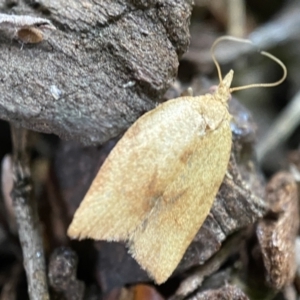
x=145 y=292
x=277 y=233
x=136 y=292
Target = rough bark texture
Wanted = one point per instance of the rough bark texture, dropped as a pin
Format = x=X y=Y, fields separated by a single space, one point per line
x=227 y=292
x=196 y=276
x=62 y=274
x=105 y=65
x=277 y=232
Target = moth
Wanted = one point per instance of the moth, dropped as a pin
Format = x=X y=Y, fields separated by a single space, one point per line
x=27 y=29
x=158 y=184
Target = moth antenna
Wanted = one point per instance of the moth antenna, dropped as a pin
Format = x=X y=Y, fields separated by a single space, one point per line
x=249 y=86
x=216 y=42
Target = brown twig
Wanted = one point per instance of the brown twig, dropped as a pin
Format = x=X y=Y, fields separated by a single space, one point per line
x=27 y=218
x=236 y=18
x=196 y=277
x=281 y=129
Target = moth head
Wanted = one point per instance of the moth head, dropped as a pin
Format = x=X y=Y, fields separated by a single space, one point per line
x=223 y=91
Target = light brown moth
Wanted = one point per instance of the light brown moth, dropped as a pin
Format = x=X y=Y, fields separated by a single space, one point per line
x=157 y=185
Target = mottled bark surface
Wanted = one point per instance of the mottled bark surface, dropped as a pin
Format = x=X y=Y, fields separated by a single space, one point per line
x=107 y=63
x=227 y=292
x=62 y=274
x=277 y=232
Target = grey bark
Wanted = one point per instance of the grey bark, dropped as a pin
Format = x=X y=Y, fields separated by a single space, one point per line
x=107 y=63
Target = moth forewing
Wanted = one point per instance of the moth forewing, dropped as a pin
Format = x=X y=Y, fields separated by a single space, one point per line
x=149 y=190
x=184 y=205
x=137 y=171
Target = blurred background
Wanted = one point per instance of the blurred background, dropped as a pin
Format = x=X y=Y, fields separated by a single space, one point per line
x=63 y=170
x=272 y=26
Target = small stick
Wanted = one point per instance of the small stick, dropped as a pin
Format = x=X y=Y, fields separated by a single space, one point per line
x=27 y=218
x=27 y=29
x=17 y=22
x=236 y=18
x=197 y=276
x=282 y=128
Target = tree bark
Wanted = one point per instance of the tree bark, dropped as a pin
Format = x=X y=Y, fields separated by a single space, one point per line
x=107 y=63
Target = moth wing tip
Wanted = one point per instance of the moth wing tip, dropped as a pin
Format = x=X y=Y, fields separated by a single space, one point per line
x=153 y=272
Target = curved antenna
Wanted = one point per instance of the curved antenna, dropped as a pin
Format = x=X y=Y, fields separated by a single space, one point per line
x=216 y=42
x=249 y=86
x=231 y=38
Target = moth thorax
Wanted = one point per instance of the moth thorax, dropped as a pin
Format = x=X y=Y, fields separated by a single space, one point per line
x=222 y=93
